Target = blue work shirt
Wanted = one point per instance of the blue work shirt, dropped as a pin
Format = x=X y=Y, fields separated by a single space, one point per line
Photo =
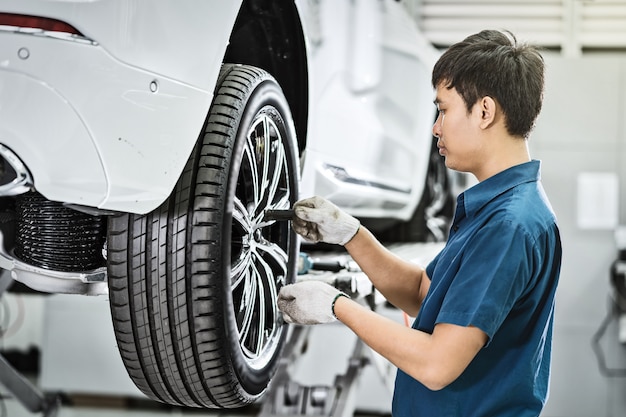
x=498 y=272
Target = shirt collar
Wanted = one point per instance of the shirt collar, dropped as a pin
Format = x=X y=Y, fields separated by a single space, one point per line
x=480 y=194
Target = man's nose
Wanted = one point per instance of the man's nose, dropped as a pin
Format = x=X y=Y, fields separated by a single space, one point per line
x=437 y=128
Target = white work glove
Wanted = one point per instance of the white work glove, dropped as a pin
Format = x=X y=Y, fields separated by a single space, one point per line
x=319 y=220
x=308 y=302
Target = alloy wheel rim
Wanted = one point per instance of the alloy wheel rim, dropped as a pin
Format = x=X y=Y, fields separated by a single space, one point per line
x=260 y=249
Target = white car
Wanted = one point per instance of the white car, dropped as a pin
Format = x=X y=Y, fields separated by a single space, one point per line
x=142 y=143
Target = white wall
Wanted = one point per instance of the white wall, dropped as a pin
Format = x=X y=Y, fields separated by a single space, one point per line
x=582 y=129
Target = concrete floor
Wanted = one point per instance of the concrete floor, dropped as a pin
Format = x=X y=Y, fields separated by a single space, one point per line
x=112 y=407
x=11 y=408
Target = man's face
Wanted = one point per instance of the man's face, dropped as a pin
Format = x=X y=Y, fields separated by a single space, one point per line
x=457 y=131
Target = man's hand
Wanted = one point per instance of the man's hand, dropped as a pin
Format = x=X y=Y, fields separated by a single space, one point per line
x=319 y=220
x=308 y=302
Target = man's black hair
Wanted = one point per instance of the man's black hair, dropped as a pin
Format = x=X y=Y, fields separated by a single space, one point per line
x=492 y=63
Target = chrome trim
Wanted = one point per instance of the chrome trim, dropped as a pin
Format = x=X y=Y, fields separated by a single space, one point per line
x=23 y=181
x=92 y=211
x=341 y=174
x=48 y=34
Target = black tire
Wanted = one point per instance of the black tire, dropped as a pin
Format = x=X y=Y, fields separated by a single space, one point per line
x=432 y=217
x=193 y=285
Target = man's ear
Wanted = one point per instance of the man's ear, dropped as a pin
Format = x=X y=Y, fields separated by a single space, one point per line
x=488 y=109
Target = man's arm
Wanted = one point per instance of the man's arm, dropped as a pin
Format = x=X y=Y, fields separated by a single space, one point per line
x=435 y=360
x=404 y=284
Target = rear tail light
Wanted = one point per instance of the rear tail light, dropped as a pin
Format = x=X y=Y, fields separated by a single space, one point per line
x=36 y=22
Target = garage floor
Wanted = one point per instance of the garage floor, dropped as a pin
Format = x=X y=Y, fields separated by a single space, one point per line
x=118 y=408
x=113 y=408
x=12 y=409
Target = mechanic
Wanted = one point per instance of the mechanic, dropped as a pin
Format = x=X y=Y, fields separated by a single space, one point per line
x=481 y=341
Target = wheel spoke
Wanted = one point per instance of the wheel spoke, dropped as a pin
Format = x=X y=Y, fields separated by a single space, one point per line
x=266 y=171
x=239 y=269
x=247 y=311
x=270 y=171
x=277 y=191
x=255 y=146
x=241 y=218
x=241 y=233
x=256 y=313
x=275 y=256
x=254 y=319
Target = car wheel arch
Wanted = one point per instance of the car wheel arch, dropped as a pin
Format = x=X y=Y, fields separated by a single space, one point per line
x=269 y=35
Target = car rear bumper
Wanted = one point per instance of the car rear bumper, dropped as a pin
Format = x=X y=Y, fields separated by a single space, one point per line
x=91 y=129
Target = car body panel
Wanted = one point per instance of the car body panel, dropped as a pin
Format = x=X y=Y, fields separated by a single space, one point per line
x=155 y=105
x=378 y=68
x=150 y=34
x=151 y=68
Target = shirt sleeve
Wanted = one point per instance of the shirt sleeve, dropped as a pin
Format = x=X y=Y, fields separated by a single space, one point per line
x=494 y=273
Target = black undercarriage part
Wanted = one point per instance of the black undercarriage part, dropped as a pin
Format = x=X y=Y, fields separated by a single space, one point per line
x=52 y=236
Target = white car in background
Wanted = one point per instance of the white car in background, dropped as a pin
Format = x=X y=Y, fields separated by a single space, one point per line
x=141 y=143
